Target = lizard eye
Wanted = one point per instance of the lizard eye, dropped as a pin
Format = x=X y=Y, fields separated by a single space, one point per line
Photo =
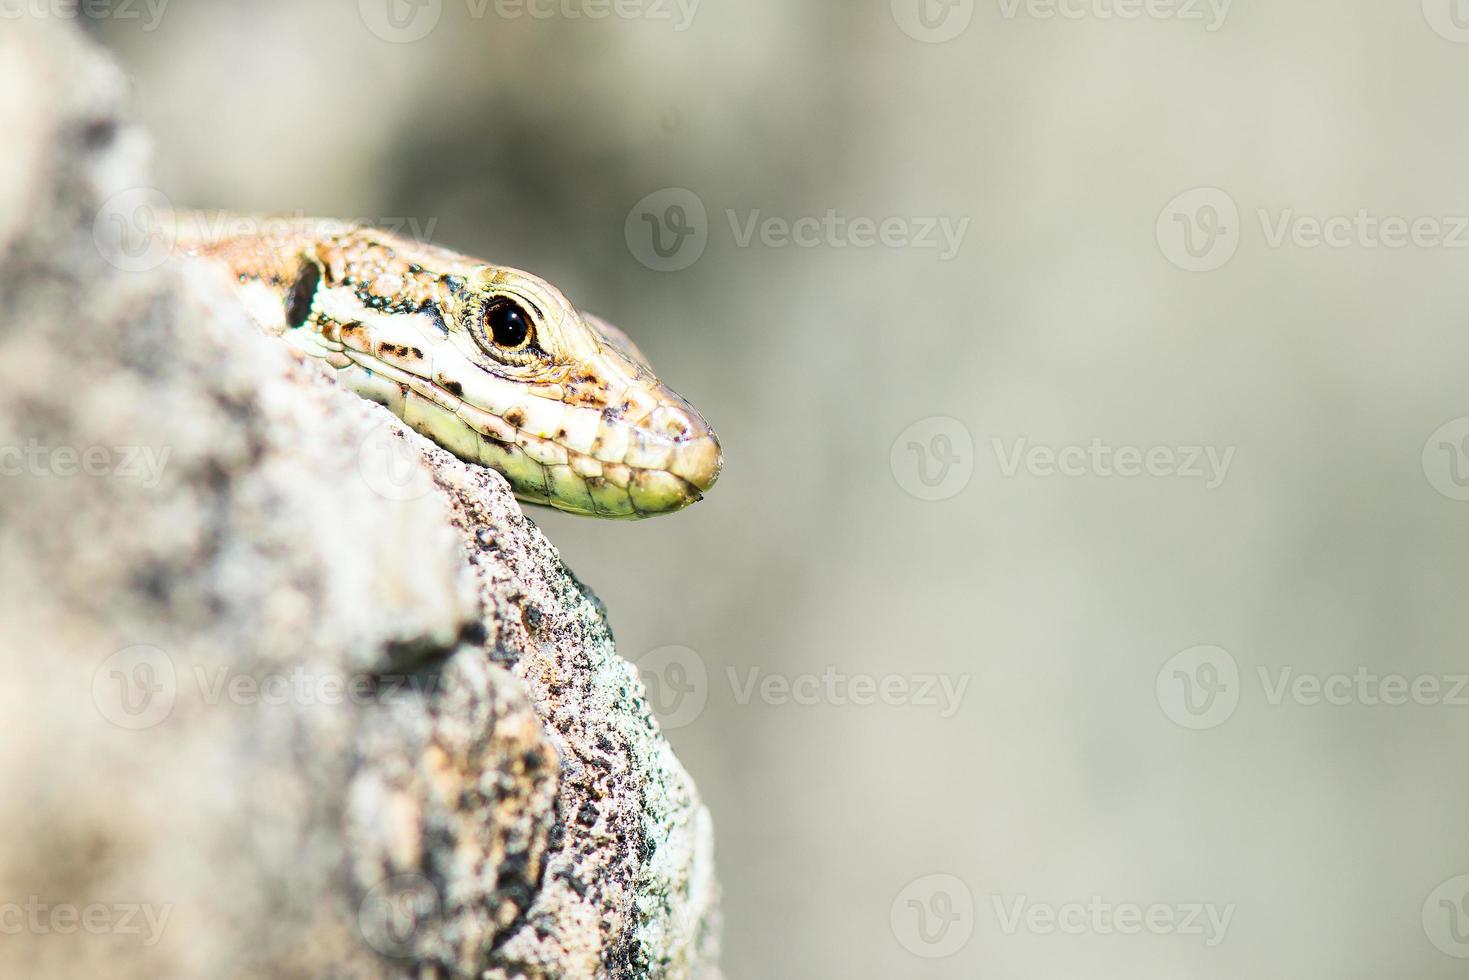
x=507 y=324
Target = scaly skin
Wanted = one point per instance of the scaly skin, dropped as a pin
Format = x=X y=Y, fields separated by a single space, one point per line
x=573 y=418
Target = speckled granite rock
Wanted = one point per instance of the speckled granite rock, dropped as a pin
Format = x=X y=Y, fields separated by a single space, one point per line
x=290 y=692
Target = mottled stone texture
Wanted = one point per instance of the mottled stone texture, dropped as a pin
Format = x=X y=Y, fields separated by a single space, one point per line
x=289 y=691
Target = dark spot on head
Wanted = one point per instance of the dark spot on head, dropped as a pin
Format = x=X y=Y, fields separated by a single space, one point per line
x=515 y=417
x=593 y=397
x=454 y=388
x=302 y=294
x=431 y=309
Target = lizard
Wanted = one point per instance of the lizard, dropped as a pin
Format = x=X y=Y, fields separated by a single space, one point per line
x=492 y=363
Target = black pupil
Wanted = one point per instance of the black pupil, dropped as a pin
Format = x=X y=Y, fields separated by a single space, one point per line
x=509 y=326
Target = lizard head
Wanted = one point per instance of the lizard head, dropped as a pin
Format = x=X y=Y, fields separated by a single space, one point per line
x=513 y=376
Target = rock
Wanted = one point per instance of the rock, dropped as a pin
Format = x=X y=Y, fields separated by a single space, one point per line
x=291 y=692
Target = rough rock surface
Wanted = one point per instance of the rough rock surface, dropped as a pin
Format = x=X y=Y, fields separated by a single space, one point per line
x=290 y=692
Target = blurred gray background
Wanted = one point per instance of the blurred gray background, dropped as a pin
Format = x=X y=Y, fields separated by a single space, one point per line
x=1134 y=772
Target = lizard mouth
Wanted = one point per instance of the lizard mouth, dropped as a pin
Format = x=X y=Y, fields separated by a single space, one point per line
x=573 y=457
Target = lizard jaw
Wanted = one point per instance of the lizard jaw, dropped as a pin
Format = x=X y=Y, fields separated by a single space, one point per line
x=570 y=444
